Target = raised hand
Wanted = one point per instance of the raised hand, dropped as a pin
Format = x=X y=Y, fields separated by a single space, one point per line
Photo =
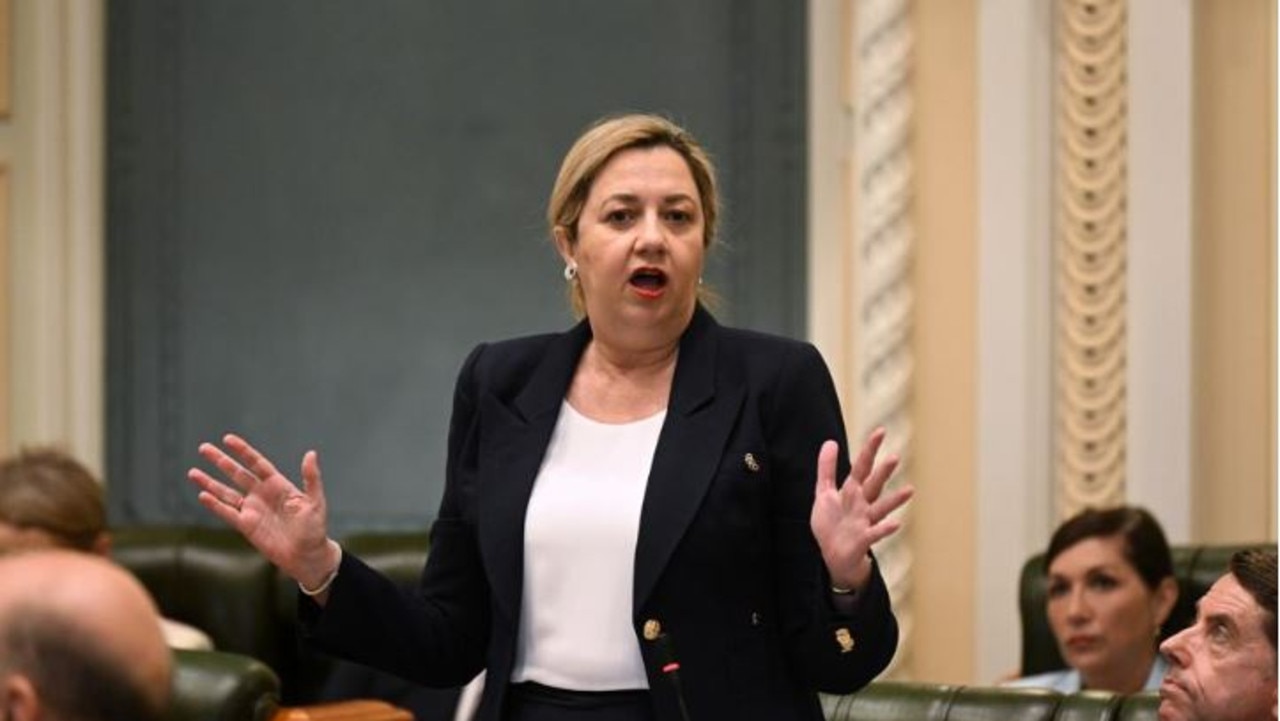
x=286 y=524
x=848 y=520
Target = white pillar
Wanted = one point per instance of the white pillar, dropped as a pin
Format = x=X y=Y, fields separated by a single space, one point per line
x=56 y=274
x=1158 y=473
x=1014 y=475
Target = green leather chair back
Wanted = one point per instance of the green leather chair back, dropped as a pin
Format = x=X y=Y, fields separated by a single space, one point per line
x=1089 y=706
x=893 y=701
x=218 y=686
x=1140 y=706
x=1196 y=568
x=400 y=555
x=214 y=580
x=988 y=704
x=210 y=578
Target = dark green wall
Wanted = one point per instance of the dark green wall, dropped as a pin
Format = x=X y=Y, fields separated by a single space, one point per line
x=317 y=207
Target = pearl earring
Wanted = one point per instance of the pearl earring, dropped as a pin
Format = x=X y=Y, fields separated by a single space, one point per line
x=570 y=271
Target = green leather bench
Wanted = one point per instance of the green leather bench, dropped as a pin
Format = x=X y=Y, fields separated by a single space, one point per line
x=890 y=701
x=218 y=686
x=212 y=579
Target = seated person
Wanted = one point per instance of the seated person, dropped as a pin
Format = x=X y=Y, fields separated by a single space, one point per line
x=49 y=500
x=1223 y=667
x=79 y=639
x=1110 y=589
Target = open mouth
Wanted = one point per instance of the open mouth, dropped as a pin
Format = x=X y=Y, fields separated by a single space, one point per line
x=648 y=281
x=1081 y=644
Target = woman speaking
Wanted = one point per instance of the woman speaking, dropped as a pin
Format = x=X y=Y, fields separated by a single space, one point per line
x=642 y=518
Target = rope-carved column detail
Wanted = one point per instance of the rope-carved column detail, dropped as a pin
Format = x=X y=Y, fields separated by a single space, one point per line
x=1090 y=253
x=882 y=182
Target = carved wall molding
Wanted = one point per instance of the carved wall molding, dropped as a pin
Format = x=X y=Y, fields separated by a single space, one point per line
x=1091 y=234
x=882 y=182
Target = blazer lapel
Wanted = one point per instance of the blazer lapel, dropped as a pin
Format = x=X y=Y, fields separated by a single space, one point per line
x=513 y=441
x=700 y=417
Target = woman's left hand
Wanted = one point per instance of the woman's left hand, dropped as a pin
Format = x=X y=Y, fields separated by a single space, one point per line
x=848 y=520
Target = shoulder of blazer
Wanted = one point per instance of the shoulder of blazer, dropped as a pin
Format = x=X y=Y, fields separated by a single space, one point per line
x=761 y=354
x=508 y=368
x=756 y=340
x=529 y=373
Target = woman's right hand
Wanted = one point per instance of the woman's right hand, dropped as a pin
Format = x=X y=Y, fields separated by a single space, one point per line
x=287 y=525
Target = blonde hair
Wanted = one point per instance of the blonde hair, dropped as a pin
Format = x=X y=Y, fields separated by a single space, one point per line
x=46 y=489
x=597 y=146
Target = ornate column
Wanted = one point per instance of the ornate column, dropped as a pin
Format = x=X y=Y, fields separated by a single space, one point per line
x=1091 y=240
x=881 y=306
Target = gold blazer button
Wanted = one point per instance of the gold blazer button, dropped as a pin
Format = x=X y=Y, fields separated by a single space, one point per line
x=845 y=639
x=652 y=630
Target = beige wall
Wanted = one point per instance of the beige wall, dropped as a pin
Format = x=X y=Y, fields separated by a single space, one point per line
x=1234 y=295
x=6 y=50
x=54 y=279
x=6 y=54
x=1234 y=482
x=942 y=530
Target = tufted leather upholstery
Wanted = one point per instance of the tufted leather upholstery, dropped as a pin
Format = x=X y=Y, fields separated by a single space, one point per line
x=1196 y=568
x=209 y=578
x=886 y=701
x=218 y=686
x=400 y=555
x=212 y=579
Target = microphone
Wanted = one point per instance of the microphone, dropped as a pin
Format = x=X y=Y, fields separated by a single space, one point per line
x=671 y=669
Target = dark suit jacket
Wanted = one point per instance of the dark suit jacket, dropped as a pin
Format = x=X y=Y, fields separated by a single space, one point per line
x=725 y=561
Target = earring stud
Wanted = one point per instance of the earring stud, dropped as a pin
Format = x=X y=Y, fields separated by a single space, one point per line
x=570 y=271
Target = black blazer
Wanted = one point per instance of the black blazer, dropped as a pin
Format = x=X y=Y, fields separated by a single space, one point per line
x=725 y=562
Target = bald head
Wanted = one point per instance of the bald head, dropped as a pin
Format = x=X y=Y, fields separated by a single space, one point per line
x=80 y=640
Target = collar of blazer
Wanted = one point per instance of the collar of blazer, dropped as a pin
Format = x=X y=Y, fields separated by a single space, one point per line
x=699 y=419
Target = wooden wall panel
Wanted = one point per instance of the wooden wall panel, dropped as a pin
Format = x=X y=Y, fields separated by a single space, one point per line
x=1235 y=246
x=5 y=303
x=6 y=55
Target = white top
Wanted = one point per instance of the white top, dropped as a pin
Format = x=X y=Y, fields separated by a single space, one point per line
x=579 y=555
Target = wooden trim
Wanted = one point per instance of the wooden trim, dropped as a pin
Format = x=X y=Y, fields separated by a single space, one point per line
x=363 y=710
x=944 y=534
x=5 y=301
x=6 y=53
x=1233 y=491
